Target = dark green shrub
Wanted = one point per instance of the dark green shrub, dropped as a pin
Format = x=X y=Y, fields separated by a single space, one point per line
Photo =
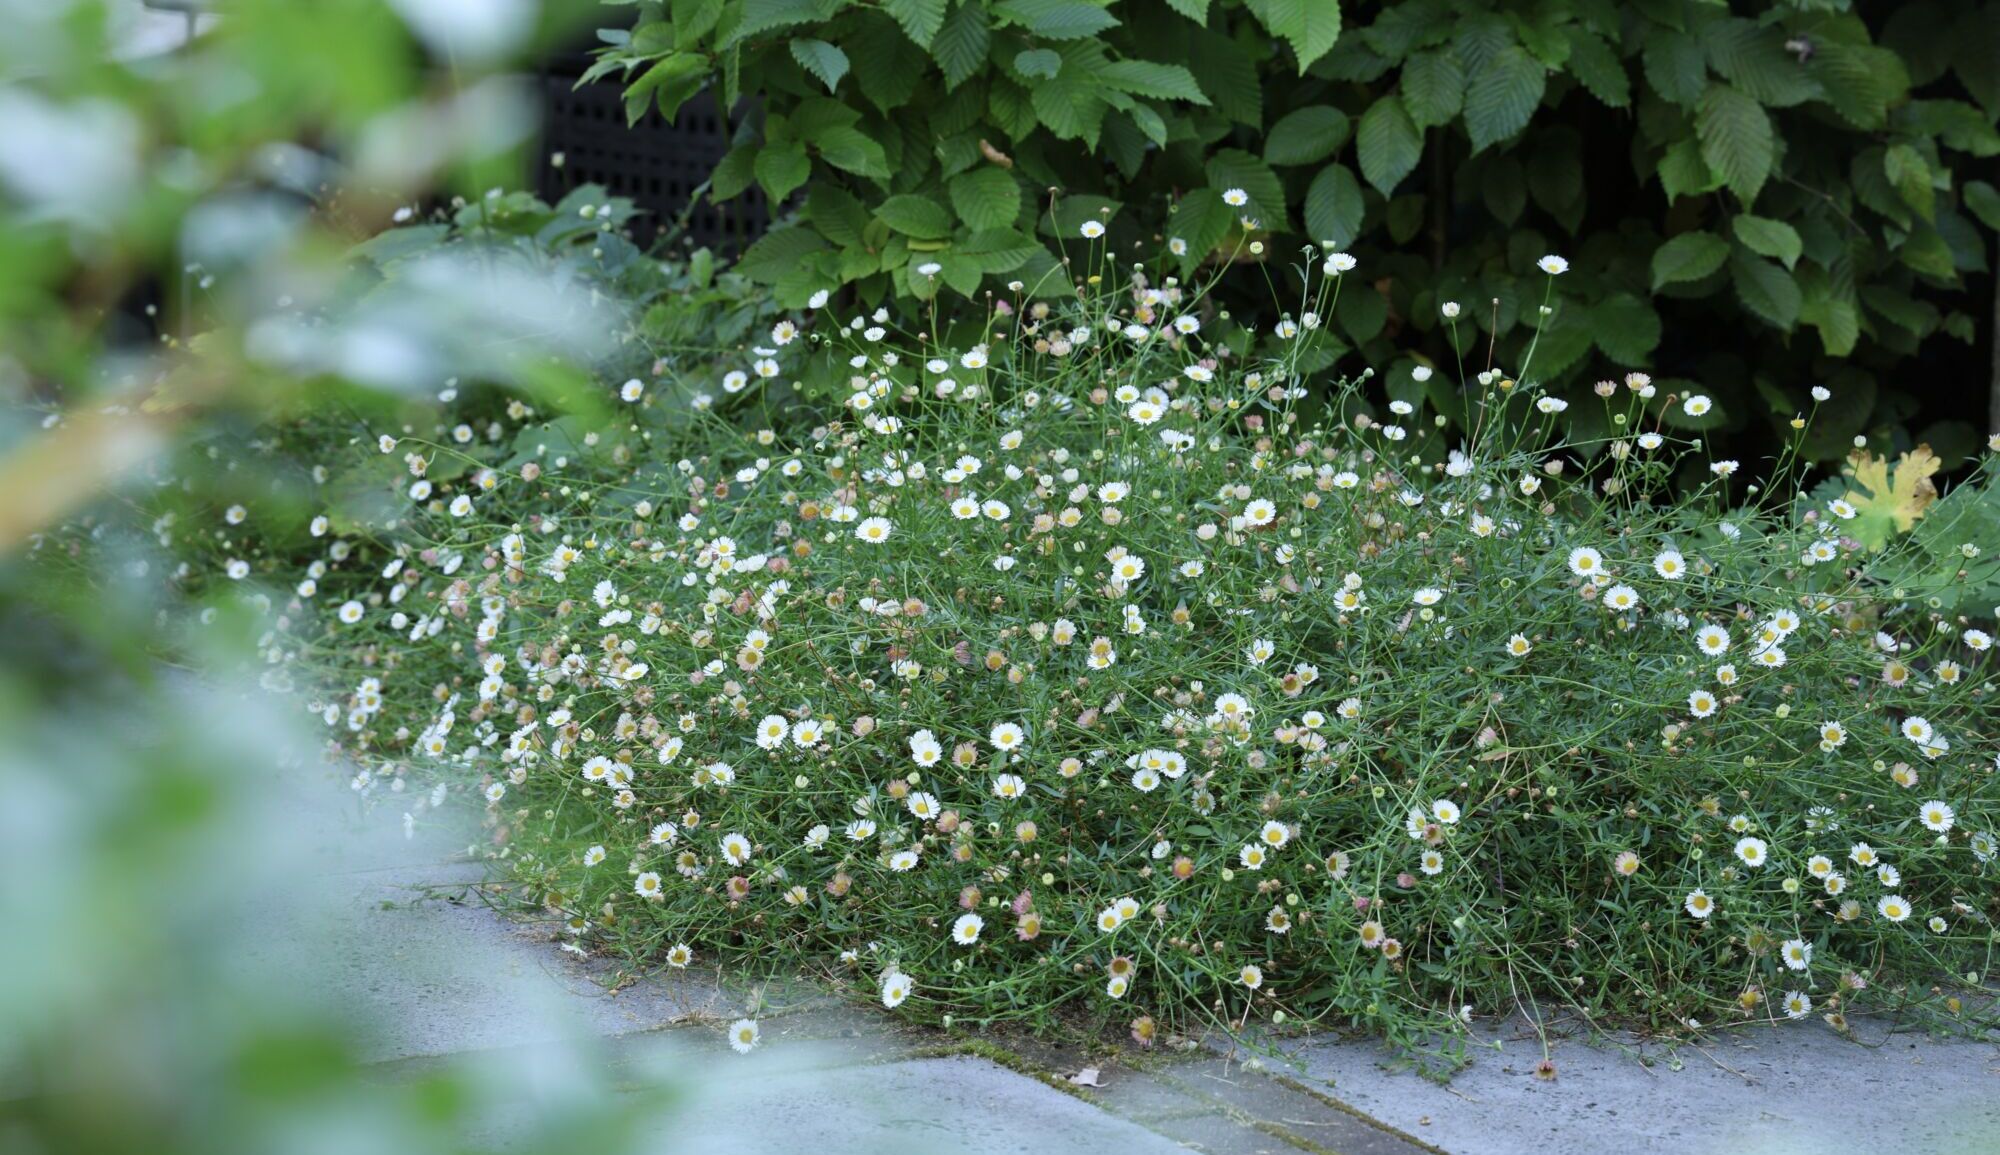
x=1776 y=176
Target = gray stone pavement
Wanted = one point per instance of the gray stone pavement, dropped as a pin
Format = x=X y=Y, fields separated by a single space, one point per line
x=396 y=926
x=1791 y=1089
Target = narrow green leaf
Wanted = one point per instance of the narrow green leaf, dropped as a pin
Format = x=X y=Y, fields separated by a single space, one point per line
x=1306 y=135
x=1688 y=257
x=1388 y=144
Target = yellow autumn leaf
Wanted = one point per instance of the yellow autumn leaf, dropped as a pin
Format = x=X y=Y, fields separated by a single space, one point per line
x=1889 y=501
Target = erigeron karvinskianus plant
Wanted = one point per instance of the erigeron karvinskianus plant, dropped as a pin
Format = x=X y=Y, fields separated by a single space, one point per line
x=1090 y=670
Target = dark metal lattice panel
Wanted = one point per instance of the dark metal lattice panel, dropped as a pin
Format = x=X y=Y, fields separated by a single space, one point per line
x=659 y=165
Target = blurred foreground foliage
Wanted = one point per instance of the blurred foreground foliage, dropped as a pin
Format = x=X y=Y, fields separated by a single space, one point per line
x=176 y=272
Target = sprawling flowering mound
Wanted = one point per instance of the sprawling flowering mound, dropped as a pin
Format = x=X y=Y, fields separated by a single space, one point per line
x=1133 y=680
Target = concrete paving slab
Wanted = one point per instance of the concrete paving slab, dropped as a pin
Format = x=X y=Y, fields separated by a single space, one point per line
x=1791 y=1089
x=395 y=924
x=920 y=1106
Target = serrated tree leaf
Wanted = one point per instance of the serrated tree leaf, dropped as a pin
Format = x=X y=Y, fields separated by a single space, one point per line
x=1503 y=187
x=1362 y=311
x=776 y=252
x=1195 y=10
x=1926 y=251
x=851 y=150
x=765 y=15
x=1149 y=123
x=1860 y=81
x=1334 y=207
x=1228 y=76
x=1233 y=168
x=826 y=62
x=1674 y=66
x=1502 y=95
x=1040 y=63
x=1148 y=78
x=1626 y=328
x=1752 y=57
x=837 y=214
x=1766 y=237
x=1688 y=257
x=1072 y=106
x=782 y=168
x=1984 y=201
x=1684 y=173
x=1598 y=68
x=960 y=44
x=1310 y=26
x=1067 y=214
x=1736 y=139
x=920 y=19
x=1900 y=309
x=736 y=172
x=1387 y=143
x=987 y=197
x=1306 y=135
x=1056 y=19
x=1911 y=175
x=998 y=250
x=1199 y=222
x=915 y=216
x=1836 y=317
x=1765 y=289
x=1433 y=87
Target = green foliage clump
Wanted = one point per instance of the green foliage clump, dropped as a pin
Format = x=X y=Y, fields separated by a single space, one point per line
x=1080 y=672
x=1781 y=172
